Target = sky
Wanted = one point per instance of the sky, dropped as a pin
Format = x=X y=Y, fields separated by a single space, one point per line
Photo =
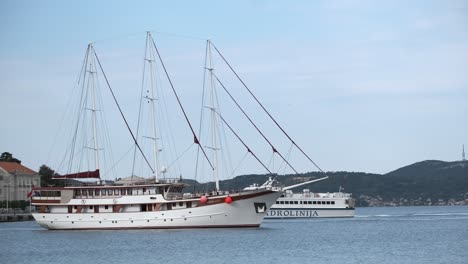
x=365 y=86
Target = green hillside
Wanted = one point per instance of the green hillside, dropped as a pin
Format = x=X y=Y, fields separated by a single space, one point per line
x=424 y=183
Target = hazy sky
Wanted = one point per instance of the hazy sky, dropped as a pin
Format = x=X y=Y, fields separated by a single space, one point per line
x=360 y=85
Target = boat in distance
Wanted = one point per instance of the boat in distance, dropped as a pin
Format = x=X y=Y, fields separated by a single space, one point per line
x=308 y=204
x=312 y=205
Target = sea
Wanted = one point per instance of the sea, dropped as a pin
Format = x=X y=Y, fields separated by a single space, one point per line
x=429 y=234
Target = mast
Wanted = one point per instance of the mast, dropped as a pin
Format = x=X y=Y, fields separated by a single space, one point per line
x=91 y=82
x=213 y=120
x=153 y=113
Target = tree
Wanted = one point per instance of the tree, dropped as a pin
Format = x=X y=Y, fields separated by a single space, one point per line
x=8 y=157
x=46 y=176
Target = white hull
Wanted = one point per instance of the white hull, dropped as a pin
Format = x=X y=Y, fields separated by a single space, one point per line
x=308 y=213
x=240 y=213
x=312 y=205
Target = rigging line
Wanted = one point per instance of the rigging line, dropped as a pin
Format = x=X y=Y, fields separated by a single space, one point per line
x=177 y=35
x=238 y=165
x=141 y=104
x=266 y=111
x=115 y=164
x=183 y=153
x=201 y=108
x=180 y=104
x=288 y=156
x=243 y=143
x=80 y=105
x=259 y=131
x=76 y=84
x=120 y=110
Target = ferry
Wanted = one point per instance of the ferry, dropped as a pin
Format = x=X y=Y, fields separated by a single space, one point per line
x=312 y=205
x=307 y=204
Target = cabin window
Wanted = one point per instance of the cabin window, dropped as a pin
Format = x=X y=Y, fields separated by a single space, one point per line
x=129 y=191
x=122 y=191
x=332 y=202
x=189 y=204
x=181 y=204
x=174 y=204
x=109 y=192
x=96 y=192
x=277 y=202
x=84 y=192
x=309 y=202
x=295 y=202
x=106 y=207
x=144 y=190
x=314 y=202
x=346 y=201
x=90 y=207
x=76 y=207
x=286 y=202
x=77 y=192
x=281 y=202
x=116 y=191
x=328 y=202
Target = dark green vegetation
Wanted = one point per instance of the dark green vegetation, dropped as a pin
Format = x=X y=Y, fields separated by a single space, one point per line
x=424 y=183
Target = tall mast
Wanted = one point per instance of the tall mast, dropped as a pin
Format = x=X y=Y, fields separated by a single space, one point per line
x=91 y=82
x=153 y=112
x=213 y=120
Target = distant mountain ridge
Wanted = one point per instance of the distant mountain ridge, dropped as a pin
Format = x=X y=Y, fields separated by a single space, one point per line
x=429 y=182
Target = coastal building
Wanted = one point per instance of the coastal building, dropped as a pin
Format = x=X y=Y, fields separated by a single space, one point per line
x=16 y=181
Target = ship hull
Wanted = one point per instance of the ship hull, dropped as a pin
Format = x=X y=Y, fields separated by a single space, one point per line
x=243 y=212
x=275 y=213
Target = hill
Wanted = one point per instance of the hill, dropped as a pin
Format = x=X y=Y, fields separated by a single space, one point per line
x=428 y=182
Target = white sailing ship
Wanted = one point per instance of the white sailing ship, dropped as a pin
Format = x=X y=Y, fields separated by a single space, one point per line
x=157 y=203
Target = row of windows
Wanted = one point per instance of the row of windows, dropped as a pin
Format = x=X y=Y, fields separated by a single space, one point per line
x=305 y=202
x=105 y=192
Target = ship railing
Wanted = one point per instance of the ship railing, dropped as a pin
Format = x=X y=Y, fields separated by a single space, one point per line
x=46 y=198
x=169 y=180
x=174 y=196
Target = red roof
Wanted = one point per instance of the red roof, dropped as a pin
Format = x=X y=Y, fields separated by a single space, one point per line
x=13 y=167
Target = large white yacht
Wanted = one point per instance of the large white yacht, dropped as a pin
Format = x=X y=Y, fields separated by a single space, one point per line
x=157 y=205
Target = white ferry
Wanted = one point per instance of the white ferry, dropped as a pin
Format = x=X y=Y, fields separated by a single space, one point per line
x=311 y=205
x=307 y=204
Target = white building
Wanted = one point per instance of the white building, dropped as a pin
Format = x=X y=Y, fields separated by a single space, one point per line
x=16 y=181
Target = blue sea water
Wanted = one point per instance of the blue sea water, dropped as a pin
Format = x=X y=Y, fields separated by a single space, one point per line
x=436 y=234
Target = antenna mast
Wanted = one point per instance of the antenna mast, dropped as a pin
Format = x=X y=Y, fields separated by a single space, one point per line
x=463 y=153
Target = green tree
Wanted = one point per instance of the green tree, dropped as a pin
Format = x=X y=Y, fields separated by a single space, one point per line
x=47 y=175
x=8 y=157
